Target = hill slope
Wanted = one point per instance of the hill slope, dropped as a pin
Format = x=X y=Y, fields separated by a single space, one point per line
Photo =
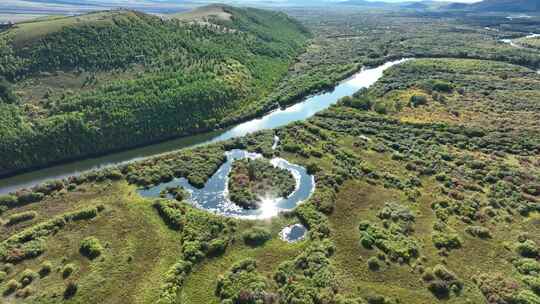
x=110 y=80
x=503 y=6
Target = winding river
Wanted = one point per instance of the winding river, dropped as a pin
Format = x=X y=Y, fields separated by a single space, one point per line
x=277 y=118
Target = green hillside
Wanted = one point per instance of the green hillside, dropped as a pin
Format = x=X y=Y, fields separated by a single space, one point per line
x=85 y=85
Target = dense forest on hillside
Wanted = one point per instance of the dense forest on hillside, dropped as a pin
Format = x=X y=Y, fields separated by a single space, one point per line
x=161 y=78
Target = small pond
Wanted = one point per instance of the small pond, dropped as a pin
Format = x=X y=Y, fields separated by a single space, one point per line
x=293 y=233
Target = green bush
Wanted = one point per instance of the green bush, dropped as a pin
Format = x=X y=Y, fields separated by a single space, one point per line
x=28 y=276
x=533 y=282
x=71 y=289
x=9 y=201
x=527 y=249
x=174 y=279
x=447 y=240
x=171 y=212
x=526 y=297
x=217 y=247
x=256 y=236
x=29 y=242
x=441 y=281
x=91 y=247
x=21 y=217
x=373 y=263
x=418 y=100
x=11 y=287
x=478 y=231
x=46 y=268
x=381 y=107
x=193 y=251
x=3 y=276
x=67 y=270
x=242 y=284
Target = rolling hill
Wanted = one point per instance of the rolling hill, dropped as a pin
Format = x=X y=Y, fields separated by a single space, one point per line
x=502 y=6
x=110 y=80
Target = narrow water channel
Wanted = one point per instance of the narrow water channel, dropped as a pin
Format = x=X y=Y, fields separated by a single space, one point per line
x=278 y=118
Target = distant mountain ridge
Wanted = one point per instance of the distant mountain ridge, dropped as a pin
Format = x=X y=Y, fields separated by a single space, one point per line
x=501 y=6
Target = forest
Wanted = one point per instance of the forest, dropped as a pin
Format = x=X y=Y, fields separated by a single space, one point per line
x=170 y=78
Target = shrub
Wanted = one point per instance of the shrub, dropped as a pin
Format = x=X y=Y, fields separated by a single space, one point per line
x=174 y=279
x=171 y=212
x=439 y=288
x=45 y=269
x=217 y=247
x=242 y=284
x=527 y=249
x=3 y=276
x=71 y=289
x=418 y=100
x=67 y=270
x=8 y=201
x=478 y=231
x=28 y=276
x=193 y=251
x=446 y=240
x=25 y=292
x=381 y=107
x=441 y=281
x=312 y=168
x=256 y=236
x=29 y=197
x=11 y=286
x=526 y=297
x=527 y=266
x=376 y=299
x=442 y=86
x=21 y=217
x=91 y=247
x=373 y=263
x=533 y=282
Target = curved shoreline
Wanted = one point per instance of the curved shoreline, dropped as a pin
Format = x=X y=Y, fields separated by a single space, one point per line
x=214 y=197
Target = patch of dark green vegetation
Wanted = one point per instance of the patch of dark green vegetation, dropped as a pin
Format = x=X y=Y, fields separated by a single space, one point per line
x=204 y=75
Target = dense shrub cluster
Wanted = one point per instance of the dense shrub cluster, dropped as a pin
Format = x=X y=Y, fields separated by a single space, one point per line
x=20 y=217
x=91 y=247
x=203 y=234
x=242 y=284
x=29 y=243
x=394 y=238
x=256 y=236
x=442 y=282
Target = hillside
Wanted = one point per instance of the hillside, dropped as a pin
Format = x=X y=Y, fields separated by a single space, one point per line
x=110 y=80
x=502 y=6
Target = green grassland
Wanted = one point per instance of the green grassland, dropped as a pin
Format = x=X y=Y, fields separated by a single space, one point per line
x=533 y=42
x=411 y=206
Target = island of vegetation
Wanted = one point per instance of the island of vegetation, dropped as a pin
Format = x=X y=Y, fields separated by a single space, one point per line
x=252 y=180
